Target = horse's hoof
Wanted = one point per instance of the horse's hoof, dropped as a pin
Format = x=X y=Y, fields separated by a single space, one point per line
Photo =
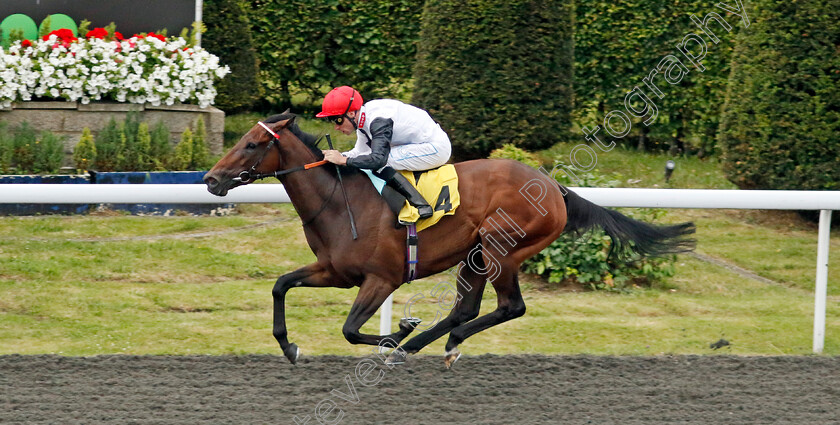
x=292 y=353
x=409 y=323
x=395 y=358
x=451 y=357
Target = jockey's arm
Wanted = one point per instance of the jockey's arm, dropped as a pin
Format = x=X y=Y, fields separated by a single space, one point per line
x=381 y=131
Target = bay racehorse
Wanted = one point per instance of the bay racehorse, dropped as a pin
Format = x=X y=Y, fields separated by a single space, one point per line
x=508 y=213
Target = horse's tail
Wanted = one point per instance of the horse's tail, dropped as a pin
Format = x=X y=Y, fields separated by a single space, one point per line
x=625 y=232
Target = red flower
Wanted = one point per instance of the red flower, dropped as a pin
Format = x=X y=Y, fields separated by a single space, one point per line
x=153 y=35
x=99 y=33
x=118 y=35
x=26 y=43
x=64 y=34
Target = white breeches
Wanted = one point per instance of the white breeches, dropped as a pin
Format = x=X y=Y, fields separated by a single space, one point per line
x=420 y=156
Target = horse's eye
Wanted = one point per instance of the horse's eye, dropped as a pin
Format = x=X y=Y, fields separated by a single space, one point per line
x=251 y=146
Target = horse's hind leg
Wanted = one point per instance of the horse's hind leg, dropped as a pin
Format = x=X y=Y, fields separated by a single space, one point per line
x=470 y=289
x=510 y=306
x=373 y=292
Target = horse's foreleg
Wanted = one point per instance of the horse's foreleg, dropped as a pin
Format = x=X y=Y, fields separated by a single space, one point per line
x=373 y=292
x=470 y=289
x=313 y=275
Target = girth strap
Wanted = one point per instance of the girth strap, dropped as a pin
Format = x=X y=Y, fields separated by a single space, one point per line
x=411 y=257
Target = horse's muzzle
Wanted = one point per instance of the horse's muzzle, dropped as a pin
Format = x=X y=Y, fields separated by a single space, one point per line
x=214 y=186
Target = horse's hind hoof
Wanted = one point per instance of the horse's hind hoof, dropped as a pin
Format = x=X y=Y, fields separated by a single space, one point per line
x=409 y=323
x=396 y=358
x=451 y=357
x=292 y=353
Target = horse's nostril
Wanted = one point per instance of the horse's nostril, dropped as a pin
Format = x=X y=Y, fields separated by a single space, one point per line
x=211 y=182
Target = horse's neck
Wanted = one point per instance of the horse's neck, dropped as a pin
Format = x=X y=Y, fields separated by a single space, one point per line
x=307 y=189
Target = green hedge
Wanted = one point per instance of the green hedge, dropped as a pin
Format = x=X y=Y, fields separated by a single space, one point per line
x=619 y=42
x=494 y=72
x=309 y=46
x=228 y=36
x=781 y=121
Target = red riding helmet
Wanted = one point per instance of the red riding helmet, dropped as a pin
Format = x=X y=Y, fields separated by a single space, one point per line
x=339 y=101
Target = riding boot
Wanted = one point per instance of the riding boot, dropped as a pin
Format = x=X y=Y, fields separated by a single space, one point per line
x=399 y=183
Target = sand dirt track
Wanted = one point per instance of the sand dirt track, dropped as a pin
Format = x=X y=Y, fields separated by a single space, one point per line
x=479 y=390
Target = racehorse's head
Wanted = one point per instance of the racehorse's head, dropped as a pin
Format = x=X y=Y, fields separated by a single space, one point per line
x=257 y=152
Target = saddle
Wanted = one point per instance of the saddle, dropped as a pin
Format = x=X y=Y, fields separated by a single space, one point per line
x=439 y=185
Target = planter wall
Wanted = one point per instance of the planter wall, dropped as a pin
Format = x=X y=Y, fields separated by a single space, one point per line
x=139 y=177
x=69 y=118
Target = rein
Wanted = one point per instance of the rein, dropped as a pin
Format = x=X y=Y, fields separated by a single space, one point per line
x=249 y=176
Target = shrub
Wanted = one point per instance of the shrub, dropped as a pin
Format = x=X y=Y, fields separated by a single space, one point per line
x=109 y=145
x=29 y=152
x=200 y=150
x=510 y=151
x=183 y=152
x=7 y=148
x=49 y=152
x=781 y=120
x=161 y=150
x=229 y=37
x=84 y=155
x=583 y=259
x=24 y=142
x=144 y=145
x=497 y=72
x=132 y=154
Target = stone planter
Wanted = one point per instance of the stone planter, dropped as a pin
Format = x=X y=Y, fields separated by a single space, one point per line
x=69 y=118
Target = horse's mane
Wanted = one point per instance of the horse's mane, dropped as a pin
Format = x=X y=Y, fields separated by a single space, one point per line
x=308 y=139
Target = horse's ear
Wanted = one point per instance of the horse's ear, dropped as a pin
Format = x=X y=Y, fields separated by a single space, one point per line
x=290 y=120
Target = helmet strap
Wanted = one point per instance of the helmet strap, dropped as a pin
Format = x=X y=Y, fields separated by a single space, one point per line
x=349 y=104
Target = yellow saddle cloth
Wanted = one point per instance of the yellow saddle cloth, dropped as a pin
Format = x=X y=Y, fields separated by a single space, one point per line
x=440 y=185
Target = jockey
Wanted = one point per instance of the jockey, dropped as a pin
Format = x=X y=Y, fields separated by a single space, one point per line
x=390 y=136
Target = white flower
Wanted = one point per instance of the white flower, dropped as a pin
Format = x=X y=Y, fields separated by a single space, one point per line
x=152 y=71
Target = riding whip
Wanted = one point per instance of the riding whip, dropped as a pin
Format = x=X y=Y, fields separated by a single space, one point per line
x=344 y=191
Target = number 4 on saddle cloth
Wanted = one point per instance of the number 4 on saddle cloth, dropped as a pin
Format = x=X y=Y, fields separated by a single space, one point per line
x=438 y=186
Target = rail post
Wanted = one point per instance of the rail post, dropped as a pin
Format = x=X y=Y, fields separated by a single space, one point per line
x=821 y=286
